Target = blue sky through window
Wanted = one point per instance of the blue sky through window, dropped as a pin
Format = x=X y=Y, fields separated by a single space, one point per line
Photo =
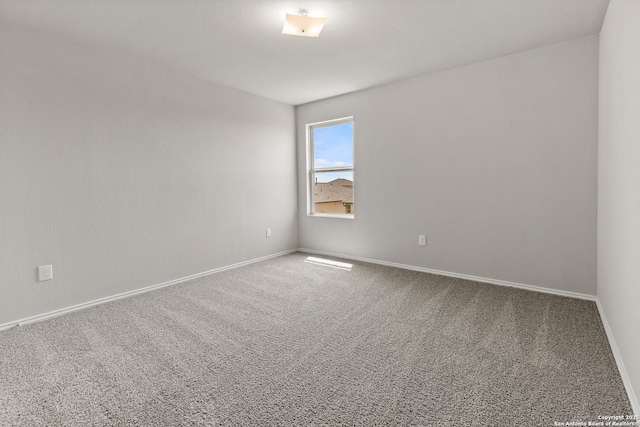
x=333 y=147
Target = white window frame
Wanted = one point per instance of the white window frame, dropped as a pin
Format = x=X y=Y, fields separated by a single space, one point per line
x=311 y=170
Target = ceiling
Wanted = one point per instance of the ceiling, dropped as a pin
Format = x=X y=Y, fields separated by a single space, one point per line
x=364 y=43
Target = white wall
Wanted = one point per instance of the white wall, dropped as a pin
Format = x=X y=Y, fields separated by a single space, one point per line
x=619 y=183
x=124 y=175
x=496 y=162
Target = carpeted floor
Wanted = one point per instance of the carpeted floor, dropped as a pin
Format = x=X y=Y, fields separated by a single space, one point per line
x=288 y=342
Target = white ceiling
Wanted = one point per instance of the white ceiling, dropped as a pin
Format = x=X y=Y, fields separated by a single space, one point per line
x=364 y=43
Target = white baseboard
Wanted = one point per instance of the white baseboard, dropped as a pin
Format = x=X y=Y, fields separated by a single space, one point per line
x=60 y=312
x=616 y=354
x=457 y=275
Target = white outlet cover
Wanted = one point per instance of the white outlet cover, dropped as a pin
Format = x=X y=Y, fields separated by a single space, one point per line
x=268 y=232
x=422 y=240
x=45 y=272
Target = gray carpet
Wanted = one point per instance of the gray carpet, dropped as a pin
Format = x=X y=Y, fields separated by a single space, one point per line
x=286 y=342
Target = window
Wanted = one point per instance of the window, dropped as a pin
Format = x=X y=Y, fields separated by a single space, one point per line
x=330 y=154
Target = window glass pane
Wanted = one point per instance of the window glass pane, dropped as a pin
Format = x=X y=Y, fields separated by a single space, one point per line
x=333 y=146
x=333 y=192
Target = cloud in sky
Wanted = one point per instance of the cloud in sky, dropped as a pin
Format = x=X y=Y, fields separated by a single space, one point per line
x=324 y=163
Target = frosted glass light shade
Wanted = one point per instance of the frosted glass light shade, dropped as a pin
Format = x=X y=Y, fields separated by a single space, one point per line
x=302 y=25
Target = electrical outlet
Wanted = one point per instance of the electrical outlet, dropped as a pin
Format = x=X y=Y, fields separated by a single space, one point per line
x=45 y=272
x=268 y=232
x=422 y=240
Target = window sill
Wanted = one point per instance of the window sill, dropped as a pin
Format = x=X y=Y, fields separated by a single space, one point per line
x=341 y=216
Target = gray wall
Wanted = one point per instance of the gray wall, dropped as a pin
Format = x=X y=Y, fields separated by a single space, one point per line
x=124 y=175
x=619 y=182
x=496 y=162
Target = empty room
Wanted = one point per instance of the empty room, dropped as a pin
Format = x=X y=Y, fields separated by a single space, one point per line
x=265 y=212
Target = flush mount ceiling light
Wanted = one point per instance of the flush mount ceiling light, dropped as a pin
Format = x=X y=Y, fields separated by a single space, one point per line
x=301 y=24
